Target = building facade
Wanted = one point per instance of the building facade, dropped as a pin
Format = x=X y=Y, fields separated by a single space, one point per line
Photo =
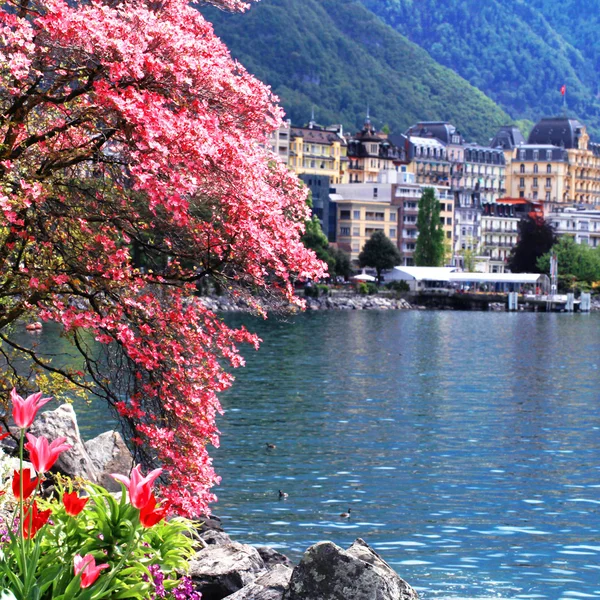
x=317 y=150
x=361 y=210
x=582 y=225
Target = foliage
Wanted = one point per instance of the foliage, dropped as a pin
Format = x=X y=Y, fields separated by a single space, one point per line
x=429 y=249
x=398 y=286
x=367 y=288
x=337 y=261
x=133 y=165
x=536 y=238
x=557 y=44
x=340 y=58
x=52 y=548
x=380 y=253
x=314 y=291
x=578 y=265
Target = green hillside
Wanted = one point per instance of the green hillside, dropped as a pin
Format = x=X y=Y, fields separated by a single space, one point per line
x=519 y=52
x=340 y=58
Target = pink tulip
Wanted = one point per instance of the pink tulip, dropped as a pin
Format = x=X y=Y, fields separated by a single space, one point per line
x=86 y=566
x=43 y=454
x=24 y=411
x=140 y=488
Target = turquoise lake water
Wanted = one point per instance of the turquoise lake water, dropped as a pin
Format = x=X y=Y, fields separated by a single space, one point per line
x=466 y=444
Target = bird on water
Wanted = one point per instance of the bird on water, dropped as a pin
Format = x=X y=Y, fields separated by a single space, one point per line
x=346 y=515
x=270 y=446
x=283 y=494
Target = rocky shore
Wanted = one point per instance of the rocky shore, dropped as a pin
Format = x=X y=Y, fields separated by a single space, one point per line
x=222 y=568
x=333 y=302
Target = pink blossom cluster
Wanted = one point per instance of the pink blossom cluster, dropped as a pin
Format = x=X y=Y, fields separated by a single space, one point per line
x=128 y=124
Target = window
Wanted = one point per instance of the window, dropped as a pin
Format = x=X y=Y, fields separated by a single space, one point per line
x=522 y=182
x=344 y=215
x=374 y=216
x=448 y=220
x=535 y=182
x=536 y=155
x=548 y=168
x=548 y=182
x=535 y=195
x=369 y=231
x=521 y=154
x=449 y=235
x=392 y=232
x=535 y=168
x=548 y=156
x=522 y=169
x=344 y=230
x=393 y=217
x=374 y=192
x=356 y=214
x=355 y=247
x=547 y=196
x=442 y=207
x=356 y=231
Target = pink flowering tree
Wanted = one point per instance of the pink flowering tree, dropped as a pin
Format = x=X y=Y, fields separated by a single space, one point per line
x=132 y=167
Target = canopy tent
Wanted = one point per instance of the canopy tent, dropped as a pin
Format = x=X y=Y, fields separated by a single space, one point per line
x=531 y=278
x=363 y=277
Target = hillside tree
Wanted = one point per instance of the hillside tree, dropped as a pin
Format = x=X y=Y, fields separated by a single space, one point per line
x=430 y=249
x=133 y=165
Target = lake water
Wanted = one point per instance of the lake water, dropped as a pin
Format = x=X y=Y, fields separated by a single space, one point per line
x=466 y=444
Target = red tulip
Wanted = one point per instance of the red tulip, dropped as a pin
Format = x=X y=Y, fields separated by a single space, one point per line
x=73 y=503
x=24 y=411
x=29 y=484
x=86 y=566
x=150 y=515
x=33 y=520
x=4 y=435
x=42 y=454
x=140 y=488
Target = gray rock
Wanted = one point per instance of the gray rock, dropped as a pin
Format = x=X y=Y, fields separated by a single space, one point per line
x=214 y=537
x=327 y=572
x=271 y=557
x=270 y=586
x=62 y=422
x=109 y=455
x=221 y=570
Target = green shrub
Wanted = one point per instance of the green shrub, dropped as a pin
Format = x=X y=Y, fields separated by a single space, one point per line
x=362 y=288
x=398 y=286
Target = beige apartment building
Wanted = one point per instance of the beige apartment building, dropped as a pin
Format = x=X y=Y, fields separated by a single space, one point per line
x=362 y=209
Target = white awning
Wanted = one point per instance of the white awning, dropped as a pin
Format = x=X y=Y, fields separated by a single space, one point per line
x=495 y=277
x=422 y=273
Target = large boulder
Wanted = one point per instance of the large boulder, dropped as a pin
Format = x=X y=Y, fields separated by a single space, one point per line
x=271 y=557
x=270 y=586
x=327 y=572
x=62 y=422
x=221 y=570
x=109 y=454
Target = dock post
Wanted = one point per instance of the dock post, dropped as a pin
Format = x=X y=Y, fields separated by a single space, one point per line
x=585 y=304
x=570 y=307
x=513 y=301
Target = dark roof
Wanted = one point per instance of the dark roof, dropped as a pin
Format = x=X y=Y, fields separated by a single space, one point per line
x=507 y=138
x=434 y=129
x=556 y=131
x=316 y=135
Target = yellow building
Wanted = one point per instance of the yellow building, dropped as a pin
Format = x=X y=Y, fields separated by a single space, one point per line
x=318 y=151
x=558 y=166
x=362 y=209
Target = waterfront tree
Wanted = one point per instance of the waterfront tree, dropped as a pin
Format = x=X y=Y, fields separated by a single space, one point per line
x=430 y=249
x=536 y=237
x=578 y=264
x=134 y=164
x=379 y=253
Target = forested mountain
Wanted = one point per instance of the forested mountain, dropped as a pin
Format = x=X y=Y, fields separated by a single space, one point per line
x=519 y=52
x=338 y=57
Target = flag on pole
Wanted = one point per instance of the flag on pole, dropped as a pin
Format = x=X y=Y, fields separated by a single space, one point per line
x=563 y=89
